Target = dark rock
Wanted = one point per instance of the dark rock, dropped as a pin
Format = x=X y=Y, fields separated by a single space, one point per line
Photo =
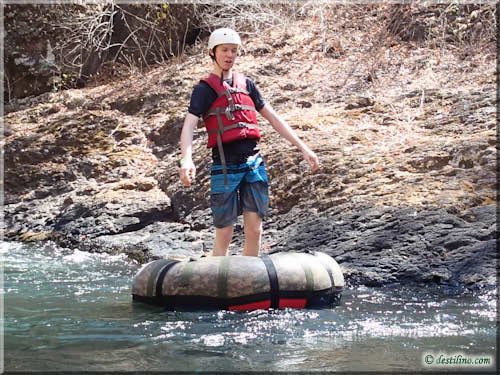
x=386 y=244
x=304 y=104
x=359 y=102
x=157 y=240
x=85 y=219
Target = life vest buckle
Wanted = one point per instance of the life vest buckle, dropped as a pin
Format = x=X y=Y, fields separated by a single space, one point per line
x=229 y=113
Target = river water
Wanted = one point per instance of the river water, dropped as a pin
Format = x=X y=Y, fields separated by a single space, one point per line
x=66 y=310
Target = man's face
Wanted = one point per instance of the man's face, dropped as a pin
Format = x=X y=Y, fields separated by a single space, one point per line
x=225 y=54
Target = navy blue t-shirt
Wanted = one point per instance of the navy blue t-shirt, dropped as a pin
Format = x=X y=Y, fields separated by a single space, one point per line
x=202 y=98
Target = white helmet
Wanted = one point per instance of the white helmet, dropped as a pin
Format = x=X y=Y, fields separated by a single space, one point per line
x=223 y=36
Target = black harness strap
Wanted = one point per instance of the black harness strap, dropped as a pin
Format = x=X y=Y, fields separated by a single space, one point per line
x=219 y=145
x=273 y=281
x=159 y=282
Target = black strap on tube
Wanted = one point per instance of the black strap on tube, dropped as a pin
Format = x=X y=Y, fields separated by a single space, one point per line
x=161 y=277
x=273 y=281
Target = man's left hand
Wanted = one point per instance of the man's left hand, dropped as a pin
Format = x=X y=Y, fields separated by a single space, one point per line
x=312 y=159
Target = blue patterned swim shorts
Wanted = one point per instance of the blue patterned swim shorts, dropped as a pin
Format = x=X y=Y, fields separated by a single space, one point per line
x=246 y=190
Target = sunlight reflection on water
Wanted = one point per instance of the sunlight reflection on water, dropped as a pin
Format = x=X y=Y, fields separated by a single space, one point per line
x=69 y=310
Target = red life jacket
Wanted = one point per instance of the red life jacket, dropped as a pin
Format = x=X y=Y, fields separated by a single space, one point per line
x=232 y=115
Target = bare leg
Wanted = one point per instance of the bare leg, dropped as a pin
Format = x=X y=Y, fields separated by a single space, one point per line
x=252 y=224
x=223 y=238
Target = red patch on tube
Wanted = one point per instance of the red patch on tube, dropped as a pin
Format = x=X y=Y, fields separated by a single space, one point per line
x=293 y=303
x=251 y=306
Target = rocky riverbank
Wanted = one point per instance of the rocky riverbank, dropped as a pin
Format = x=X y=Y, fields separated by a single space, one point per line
x=405 y=134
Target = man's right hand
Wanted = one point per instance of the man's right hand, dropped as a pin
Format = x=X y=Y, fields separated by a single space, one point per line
x=187 y=172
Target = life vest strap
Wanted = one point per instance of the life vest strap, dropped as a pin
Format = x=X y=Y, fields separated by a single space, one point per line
x=233 y=90
x=238 y=125
x=227 y=111
x=230 y=108
x=223 y=89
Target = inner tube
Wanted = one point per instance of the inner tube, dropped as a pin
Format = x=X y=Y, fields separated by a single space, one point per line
x=280 y=280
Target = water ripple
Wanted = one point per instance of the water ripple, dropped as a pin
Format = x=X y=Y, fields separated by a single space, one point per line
x=72 y=311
